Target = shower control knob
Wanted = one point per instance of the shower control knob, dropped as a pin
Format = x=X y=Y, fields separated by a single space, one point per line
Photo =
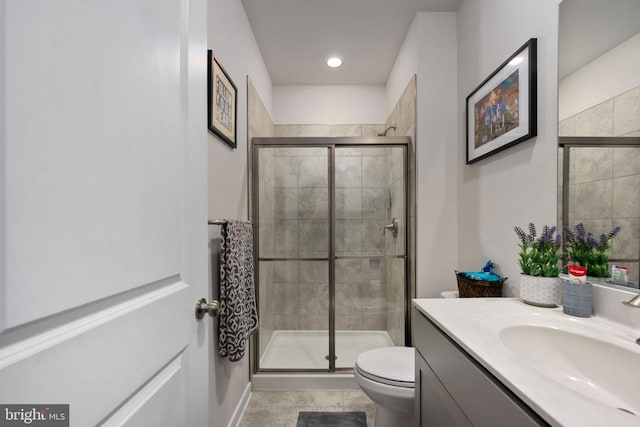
x=202 y=308
x=393 y=227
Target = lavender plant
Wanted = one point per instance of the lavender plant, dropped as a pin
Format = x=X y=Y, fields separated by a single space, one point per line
x=587 y=251
x=539 y=256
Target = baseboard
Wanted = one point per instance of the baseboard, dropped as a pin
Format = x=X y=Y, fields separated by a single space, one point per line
x=241 y=407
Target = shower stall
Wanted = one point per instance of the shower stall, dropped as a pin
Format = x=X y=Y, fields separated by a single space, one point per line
x=331 y=250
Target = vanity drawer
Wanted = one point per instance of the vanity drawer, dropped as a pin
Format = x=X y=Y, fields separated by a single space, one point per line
x=482 y=398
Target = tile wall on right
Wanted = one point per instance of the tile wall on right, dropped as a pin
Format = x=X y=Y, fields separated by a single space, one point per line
x=403 y=117
x=604 y=182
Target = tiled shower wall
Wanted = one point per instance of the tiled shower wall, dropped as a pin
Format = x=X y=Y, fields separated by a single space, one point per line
x=361 y=212
x=604 y=182
x=328 y=130
x=403 y=117
x=619 y=116
x=300 y=229
x=370 y=192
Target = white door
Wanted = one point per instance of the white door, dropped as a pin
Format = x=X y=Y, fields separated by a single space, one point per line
x=103 y=244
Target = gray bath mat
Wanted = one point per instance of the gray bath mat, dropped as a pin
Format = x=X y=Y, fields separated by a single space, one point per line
x=332 y=419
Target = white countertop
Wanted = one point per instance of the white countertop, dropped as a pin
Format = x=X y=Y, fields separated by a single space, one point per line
x=555 y=403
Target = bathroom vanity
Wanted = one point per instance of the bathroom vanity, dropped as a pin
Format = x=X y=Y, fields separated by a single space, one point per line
x=454 y=390
x=488 y=362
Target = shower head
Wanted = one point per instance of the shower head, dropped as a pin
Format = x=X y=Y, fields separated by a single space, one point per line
x=384 y=133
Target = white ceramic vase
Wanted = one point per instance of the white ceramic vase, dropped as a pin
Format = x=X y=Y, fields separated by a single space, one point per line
x=541 y=291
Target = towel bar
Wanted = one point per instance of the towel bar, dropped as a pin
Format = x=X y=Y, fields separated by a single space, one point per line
x=217 y=222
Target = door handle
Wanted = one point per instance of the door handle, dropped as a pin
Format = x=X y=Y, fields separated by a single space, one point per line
x=202 y=308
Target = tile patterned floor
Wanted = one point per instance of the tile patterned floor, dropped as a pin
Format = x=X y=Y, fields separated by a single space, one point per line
x=279 y=408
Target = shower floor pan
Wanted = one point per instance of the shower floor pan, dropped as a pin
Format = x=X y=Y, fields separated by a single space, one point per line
x=309 y=349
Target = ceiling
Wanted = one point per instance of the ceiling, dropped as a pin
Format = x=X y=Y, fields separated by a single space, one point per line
x=297 y=36
x=589 y=28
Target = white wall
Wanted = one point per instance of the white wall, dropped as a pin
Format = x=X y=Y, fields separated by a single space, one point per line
x=605 y=77
x=338 y=104
x=429 y=51
x=227 y=22
x=404 y=67
x=437 y=154
x=232 y=41
x=518 y=185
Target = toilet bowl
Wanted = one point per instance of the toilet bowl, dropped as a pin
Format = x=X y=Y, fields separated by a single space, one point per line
x=387 y=376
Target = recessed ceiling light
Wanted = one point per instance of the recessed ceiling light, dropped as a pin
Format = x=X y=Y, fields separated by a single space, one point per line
x=334 y=62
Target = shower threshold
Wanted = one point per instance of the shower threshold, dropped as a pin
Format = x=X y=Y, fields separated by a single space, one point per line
x=309 y=349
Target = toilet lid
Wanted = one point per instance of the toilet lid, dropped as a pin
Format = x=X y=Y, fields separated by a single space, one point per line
x=388 y=365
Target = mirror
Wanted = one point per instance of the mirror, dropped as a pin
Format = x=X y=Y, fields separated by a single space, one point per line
x=599 y=123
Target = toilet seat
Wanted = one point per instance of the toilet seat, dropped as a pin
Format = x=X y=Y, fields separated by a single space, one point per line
x=394 y=366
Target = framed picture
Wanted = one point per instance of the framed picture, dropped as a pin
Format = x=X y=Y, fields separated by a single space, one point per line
x=222 y=102
x=502 y=111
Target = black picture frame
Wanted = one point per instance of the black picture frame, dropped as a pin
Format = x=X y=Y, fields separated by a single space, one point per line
x=222 y=102
x=502 y=111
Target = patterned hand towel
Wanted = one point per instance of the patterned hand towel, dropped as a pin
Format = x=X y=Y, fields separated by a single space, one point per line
x=238 y=314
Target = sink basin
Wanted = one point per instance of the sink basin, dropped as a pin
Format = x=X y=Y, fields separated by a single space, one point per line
x=583 y=355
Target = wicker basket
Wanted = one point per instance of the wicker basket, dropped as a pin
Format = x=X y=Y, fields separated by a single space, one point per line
x=471 y=288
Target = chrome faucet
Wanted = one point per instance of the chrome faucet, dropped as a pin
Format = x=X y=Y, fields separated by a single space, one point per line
x=635 y=303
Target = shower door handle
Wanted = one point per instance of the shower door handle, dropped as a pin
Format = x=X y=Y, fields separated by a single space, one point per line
x=393 y=227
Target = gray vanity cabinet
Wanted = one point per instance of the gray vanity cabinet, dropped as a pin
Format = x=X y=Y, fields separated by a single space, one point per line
x=452 y=389
x=436 y=406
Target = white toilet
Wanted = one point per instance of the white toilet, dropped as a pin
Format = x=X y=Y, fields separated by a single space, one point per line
x=387 y=376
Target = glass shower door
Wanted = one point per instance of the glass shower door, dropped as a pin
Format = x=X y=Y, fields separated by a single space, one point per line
x=370 y=188
x=331 y=250
x=293 y=256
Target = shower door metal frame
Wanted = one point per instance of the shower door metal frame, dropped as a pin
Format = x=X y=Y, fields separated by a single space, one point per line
x=330 y=143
